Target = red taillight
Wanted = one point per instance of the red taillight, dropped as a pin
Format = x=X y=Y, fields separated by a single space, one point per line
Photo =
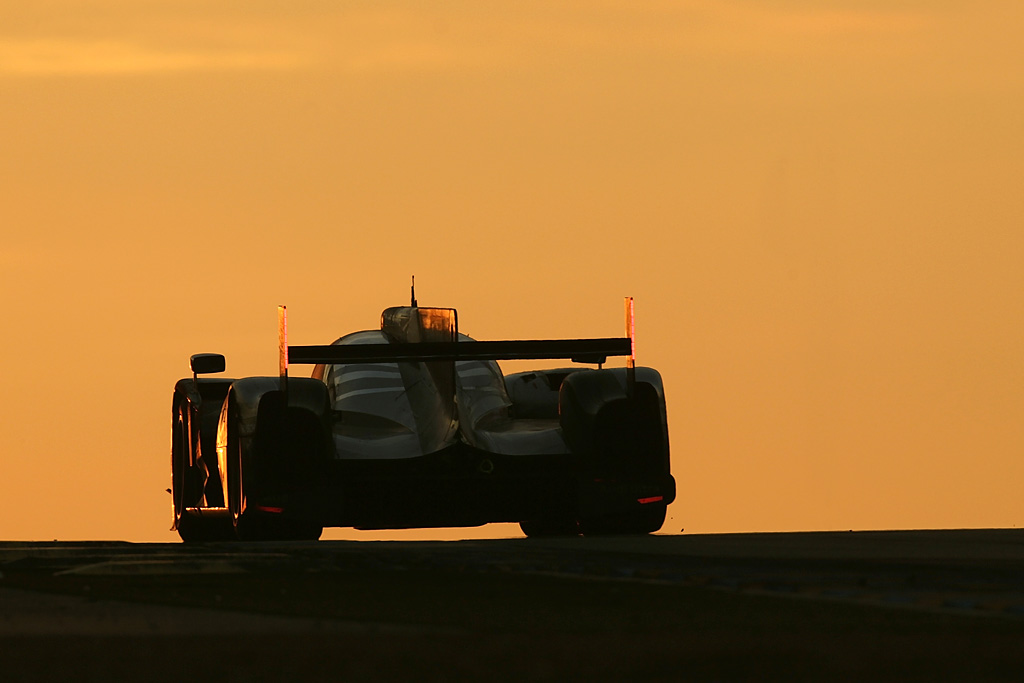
x=267 y=508
x=652 y=499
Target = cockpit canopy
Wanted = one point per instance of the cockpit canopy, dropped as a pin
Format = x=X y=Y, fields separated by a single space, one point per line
x=411 y=394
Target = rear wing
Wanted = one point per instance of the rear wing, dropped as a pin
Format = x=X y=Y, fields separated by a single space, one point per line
x=594 y=351
x=576 y=350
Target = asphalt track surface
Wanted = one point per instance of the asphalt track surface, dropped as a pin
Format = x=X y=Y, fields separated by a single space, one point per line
x=898 y=605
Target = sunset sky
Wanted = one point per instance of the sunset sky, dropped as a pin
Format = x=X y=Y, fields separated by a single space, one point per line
x=819 y=208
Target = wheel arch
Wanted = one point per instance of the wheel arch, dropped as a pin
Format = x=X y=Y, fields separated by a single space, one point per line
x=247 y=406
x=586 y=400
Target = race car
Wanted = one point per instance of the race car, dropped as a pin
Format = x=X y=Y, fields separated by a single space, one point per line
x=414 y=425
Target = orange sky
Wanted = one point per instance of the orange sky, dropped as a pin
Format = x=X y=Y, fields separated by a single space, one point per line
x=818 y=209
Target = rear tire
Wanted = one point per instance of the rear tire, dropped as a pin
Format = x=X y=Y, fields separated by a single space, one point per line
x=264 y=526
x=180 y=438
x=197 y=529
x=186 y=485
x=250 y=523
x=549 y=528
x=645 y=520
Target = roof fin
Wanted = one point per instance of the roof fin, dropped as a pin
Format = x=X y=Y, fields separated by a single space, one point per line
x=412 y=291
x=282 y=347
x=631 y=361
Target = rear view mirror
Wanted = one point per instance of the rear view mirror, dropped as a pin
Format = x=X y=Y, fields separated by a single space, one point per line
x=206 y=363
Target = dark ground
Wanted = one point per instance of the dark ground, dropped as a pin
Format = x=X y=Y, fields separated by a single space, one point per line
x=868 y=606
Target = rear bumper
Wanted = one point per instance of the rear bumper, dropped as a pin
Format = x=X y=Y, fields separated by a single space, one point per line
x=599 y=497
x=463 y=487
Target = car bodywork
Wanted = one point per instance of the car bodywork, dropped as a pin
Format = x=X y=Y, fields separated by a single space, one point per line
x=414 y=425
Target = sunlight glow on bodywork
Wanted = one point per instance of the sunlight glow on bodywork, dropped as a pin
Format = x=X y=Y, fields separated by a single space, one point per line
x=631 y=333
x=282 y=340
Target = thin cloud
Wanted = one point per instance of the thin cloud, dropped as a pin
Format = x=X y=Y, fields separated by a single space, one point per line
x=103 y=57
x=835 y=22
x=816 y=21
x=724 y=26
x=403 y=38
x=404 y=56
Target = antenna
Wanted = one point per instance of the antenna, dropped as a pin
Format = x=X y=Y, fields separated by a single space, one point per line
x=412 y=291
